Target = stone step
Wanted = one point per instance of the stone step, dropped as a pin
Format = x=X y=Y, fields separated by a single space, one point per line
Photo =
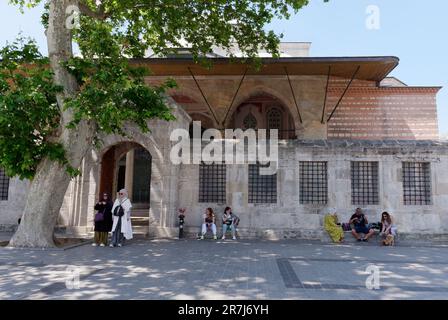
x=140 y=212
x=140 y=231
x=349 y=238
x=140 y=221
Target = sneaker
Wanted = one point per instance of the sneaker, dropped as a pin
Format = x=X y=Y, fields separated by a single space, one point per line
x=102 y=245
x=214 y=238
x=120 y=245
x=234 y=238
x=202 y=237
x=365 y=240
x=359 y=240
x=223 y=238
x=111 y=245
x=94 y=244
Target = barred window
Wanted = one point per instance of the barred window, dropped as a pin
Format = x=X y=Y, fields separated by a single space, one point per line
x=416 y=183
x=274 y=119
x=262 y=188
x=4 y=185
x=364 y=182
x=313 y=182
x=212 y=183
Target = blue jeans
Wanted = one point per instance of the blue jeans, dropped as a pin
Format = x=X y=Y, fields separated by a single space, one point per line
x=362 y=229
x=226 y=227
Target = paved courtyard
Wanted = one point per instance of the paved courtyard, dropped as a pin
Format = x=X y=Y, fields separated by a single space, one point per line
x=191 y=269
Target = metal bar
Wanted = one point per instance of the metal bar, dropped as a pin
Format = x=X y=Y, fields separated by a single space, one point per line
x=293 y=95
x=203 y=95
x=326 y=94
x=343 y=95
x=234 y=97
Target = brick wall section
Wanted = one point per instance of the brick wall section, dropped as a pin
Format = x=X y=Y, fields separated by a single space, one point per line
x=403 y=113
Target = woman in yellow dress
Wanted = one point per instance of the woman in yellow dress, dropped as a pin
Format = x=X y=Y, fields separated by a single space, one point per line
x=331 y=226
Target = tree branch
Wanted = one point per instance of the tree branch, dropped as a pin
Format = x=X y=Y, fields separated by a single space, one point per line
x=100 y=14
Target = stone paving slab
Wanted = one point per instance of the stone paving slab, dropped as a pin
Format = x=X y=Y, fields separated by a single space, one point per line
x=191 y=269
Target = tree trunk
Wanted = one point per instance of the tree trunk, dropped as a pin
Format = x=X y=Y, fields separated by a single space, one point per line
x=42 y=206
x=51 y=181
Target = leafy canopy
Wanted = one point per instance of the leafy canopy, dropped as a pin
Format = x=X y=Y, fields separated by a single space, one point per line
x=29 y=115
x=111 y=90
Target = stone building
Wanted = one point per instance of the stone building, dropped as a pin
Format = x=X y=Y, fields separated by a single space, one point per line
x=350 y=136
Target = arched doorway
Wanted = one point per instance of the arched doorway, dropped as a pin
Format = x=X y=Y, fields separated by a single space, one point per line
x=127 y=165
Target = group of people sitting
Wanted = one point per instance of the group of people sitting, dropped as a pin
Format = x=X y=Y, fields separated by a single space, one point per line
x=230 y=223
x=360 y=227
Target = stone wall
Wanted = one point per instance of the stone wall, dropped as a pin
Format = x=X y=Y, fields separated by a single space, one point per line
x=11 y=209
x=289 y=218
x=174 y=186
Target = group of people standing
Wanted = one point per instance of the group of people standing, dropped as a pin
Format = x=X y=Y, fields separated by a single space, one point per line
x=113 y=217
x=230 y=223
x=360 y=227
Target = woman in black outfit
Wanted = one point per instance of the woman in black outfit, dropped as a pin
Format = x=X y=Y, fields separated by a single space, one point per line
x=103 y=221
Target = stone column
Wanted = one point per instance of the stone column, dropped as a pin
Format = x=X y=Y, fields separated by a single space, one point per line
x=129 y=176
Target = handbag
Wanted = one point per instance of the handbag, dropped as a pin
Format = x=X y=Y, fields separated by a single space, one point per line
x=119 y=211
x=99 y=216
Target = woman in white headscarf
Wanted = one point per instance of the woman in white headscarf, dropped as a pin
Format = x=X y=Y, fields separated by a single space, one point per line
x=121 y=227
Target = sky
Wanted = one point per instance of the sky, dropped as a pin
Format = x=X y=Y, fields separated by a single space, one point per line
x=415 y=31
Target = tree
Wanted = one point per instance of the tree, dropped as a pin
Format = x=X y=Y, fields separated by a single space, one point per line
x=53 y=109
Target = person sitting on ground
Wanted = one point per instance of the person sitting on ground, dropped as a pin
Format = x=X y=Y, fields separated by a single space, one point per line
x=360 y=225
x=236 y=222
x=208 y=223
x=228 y=223
x=387 y=225
x=332 y=226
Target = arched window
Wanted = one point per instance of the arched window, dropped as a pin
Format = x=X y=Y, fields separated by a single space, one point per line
x=250 y=122
x=274 y=119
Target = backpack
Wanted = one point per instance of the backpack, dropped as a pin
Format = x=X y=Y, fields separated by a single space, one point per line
x=119 y=211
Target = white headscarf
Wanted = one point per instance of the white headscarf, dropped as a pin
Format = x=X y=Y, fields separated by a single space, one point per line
x=123 y=201
x=126 y=226
x=124 y=196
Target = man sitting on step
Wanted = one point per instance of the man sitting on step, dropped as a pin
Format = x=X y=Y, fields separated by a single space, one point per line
x=360 y=225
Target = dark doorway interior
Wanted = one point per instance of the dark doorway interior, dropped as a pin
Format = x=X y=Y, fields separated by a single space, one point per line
x=113 y=173
x=121 y=177
x=142 y=176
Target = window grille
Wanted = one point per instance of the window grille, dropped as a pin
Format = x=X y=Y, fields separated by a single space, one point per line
x=416 y=183
x=313 y=182
x=4 y=185
x=212 y=183
x=274 y=119
x=262 y=188
x=364 y=183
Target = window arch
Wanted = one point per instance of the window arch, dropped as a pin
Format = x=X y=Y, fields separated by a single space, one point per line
x=250 y=122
